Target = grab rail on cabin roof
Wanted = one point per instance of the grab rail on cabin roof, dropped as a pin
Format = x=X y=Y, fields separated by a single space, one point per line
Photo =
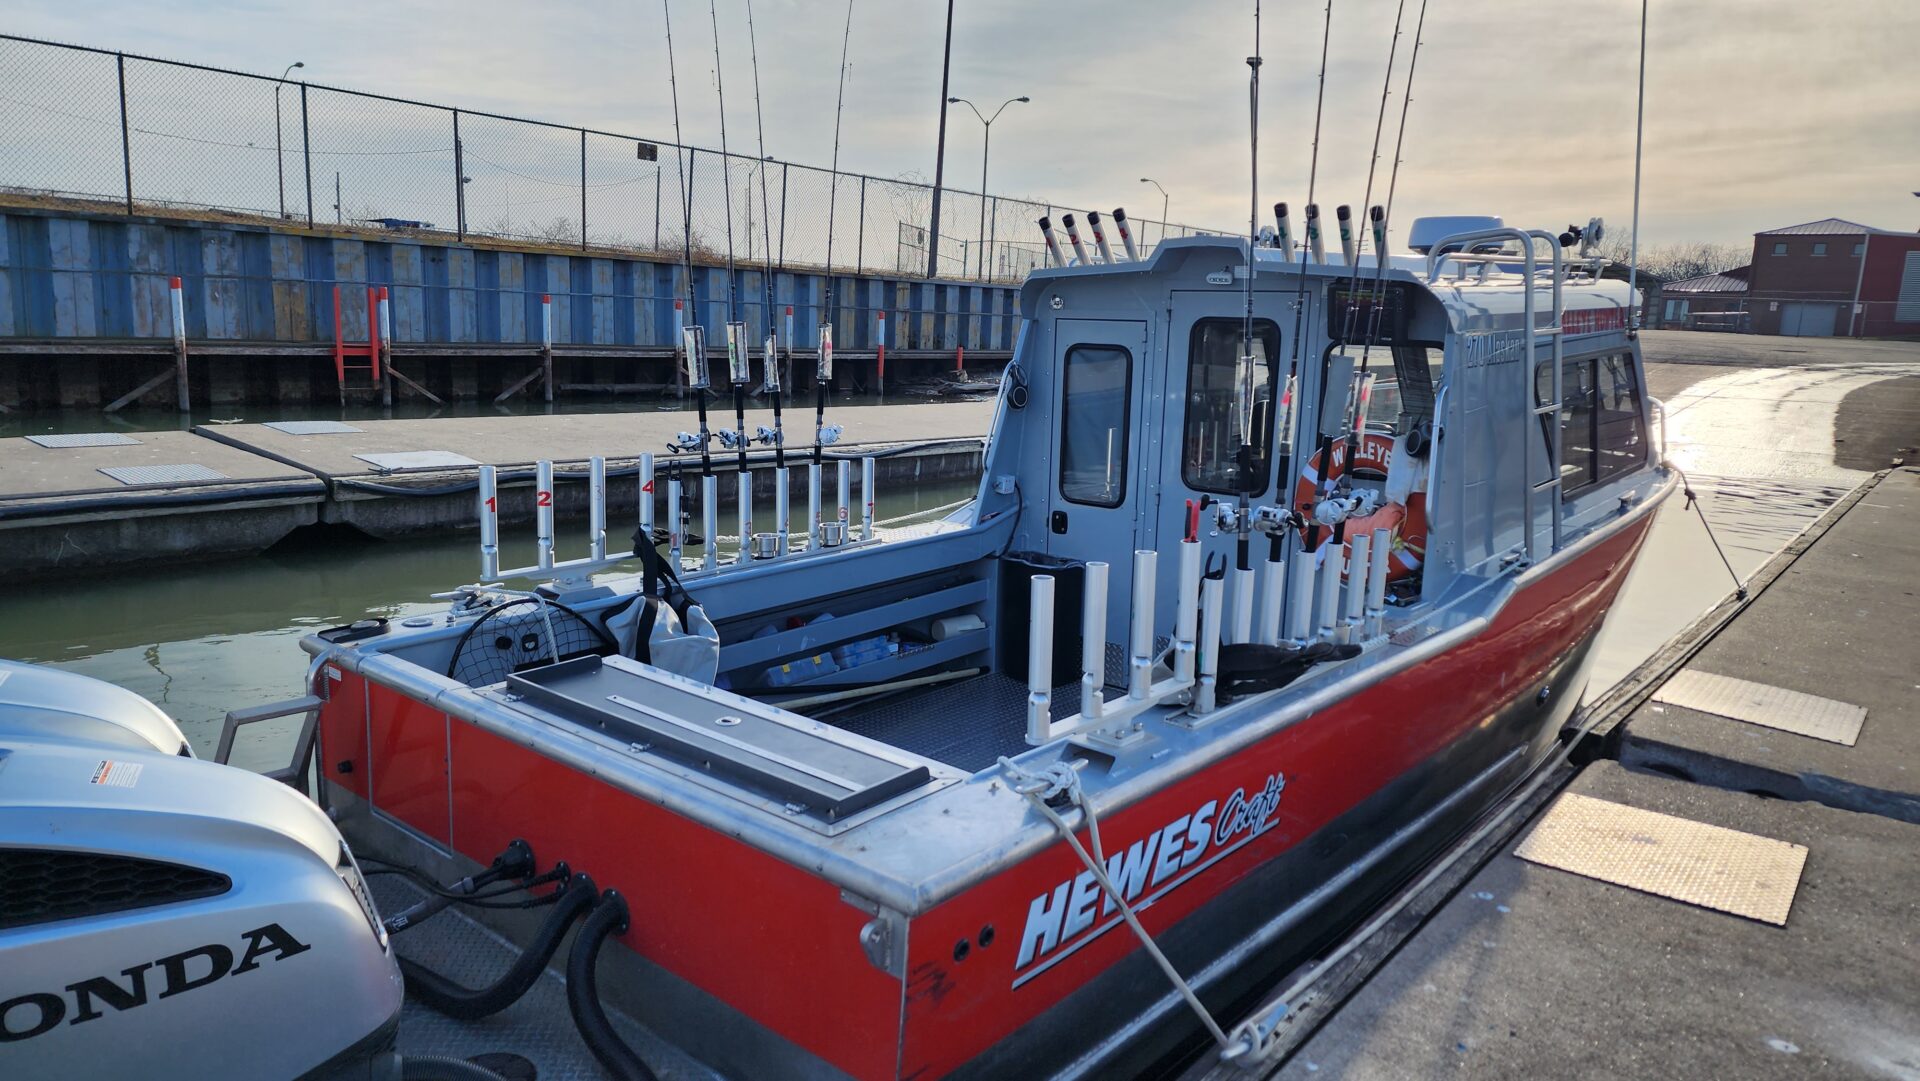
x=1461 y=245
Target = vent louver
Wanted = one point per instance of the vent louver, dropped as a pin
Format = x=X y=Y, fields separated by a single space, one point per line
x=39 y=886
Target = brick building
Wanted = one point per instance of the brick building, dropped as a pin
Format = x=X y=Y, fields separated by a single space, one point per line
x=1834 y=277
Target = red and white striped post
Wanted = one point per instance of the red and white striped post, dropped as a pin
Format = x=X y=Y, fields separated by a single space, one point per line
x=679 y=343
x=881 y=355
x=179 y=345
x=382 y=341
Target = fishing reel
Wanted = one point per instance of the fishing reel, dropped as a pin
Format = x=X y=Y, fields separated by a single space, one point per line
x=731 y=439
x=768 y=437
x=685 y=442
x=1274 y=521
x=1344 y=504
x=828 y=434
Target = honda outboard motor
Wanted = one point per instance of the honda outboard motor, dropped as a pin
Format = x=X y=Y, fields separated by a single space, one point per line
x=166 y=917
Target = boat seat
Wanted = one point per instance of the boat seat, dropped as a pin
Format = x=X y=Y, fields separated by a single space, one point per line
x=519 y=635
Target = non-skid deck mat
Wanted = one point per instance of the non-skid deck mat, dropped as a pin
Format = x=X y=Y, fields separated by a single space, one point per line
x=1710 y=866
x=84 y=439
x=1770 y=707
x=163 y=474
x=971 y=723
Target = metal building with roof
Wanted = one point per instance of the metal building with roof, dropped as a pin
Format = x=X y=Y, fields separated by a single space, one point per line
x=1708 y=302
x=1834 y=277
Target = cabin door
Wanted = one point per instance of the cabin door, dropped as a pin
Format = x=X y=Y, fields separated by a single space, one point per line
x=1097 y=486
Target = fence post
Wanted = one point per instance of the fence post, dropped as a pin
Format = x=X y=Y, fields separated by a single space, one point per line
x=306 y=152
x=783 y=217
x=126 y=147
x=459 y=182
x=656 y=204
x=860 y=235
x=993 y=231
x=583 y=207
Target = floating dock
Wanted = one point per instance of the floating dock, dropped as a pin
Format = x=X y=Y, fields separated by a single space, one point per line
x=106 y=500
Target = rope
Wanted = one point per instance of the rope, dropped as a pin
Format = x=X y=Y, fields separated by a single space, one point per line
x=1060 y=779
x=1693 y=504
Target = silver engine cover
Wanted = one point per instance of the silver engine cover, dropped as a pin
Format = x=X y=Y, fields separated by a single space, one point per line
x=253 y=951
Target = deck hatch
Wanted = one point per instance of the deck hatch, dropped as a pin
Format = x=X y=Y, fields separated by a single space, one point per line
x=162 y=474
x=84 y=439
x=1770 y=707
x=767 y=754
x=313 y=427
x=400 y=460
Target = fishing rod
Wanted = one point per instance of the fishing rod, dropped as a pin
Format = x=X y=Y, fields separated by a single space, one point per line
x=1243 y=392
x=739 y=365
x=1311 y=217
x=823 y=368
x=1382 y=217
x=770 y=354
x=693 y=336
x=1356 y=388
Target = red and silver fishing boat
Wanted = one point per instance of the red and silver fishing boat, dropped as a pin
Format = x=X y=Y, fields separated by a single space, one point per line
x=1238 y=629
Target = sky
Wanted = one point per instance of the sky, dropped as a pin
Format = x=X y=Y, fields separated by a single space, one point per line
x=1760 y=113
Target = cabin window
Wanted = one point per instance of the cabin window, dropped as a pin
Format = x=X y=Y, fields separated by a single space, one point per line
x=1819 y=249
x=1210 y=451
x=1601 y=431
x=1097 y=391
x=1406 y=399
x=1620 y=444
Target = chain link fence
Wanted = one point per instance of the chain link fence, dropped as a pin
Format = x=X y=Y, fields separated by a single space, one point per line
x=147 y=135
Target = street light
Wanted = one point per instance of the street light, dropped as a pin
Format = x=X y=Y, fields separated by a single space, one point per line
x=985 y=142
x=1163 y=205
x=279 y=154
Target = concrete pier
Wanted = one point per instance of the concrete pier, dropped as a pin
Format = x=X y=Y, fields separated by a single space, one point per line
x=1529 y=971
x=221 y=489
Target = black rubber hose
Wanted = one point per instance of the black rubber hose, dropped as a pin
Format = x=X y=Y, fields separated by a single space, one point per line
x=453 y=1000
x=441 y=1068
x=583 y=992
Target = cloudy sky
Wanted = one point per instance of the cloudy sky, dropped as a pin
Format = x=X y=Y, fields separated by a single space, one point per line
x=1760 y=112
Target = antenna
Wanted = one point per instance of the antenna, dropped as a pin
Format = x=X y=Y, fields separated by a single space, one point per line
x=1639 y=132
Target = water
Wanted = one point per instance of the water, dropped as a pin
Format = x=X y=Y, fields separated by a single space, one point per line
x=200 y=639
x=203 y=638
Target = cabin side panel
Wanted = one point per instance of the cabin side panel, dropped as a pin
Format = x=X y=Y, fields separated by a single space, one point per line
x=343 y=734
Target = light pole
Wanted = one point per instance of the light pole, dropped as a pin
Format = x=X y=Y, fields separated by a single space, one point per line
x=1163 y=205
x=279 y=156
x=986 y=140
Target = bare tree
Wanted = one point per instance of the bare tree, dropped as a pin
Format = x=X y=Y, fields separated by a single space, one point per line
x=1673 y=262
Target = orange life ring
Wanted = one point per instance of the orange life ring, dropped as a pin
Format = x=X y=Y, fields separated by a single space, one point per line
x=1407 y=523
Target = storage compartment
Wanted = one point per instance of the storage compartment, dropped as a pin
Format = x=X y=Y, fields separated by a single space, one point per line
x=1014 y=611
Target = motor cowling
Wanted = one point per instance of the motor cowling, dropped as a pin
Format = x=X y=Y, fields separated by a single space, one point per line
x=169 y=917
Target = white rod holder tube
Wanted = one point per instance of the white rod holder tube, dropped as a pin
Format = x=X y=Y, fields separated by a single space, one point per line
x=1186 y=613
x=813 y=506
x=1099 y=237
x=1242 y=606
x=1273 y=595
x=866 y=497
x=676 y=539
x=1377 y=581
x=845 y=469
x=1093 y=643
x=1359 y=569
x=1300 y=599
x=1327 y=606
x=1205 y=692
x=643 y=494
x=1140 y=640
x=781 y=524
x=1040 y=660
x=710 y=521
x=489 y=524
x=543 y=514
x=743 y=495
x=597 y=508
